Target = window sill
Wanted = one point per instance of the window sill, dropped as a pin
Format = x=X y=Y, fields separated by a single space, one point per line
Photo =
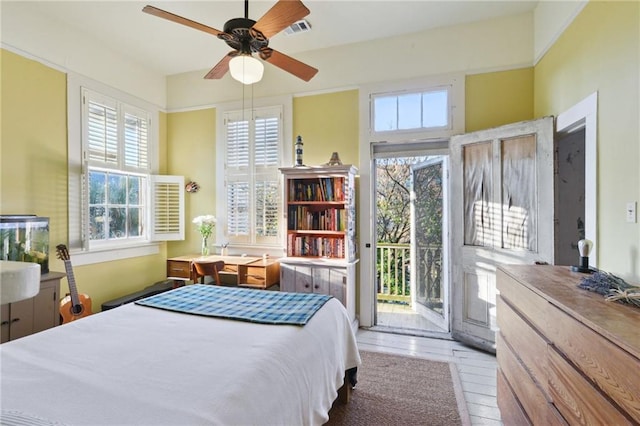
x=114 y=253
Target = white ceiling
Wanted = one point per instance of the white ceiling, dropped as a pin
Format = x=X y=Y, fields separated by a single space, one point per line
x=170 y=48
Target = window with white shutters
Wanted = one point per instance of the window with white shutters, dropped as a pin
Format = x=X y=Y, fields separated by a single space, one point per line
x=254 y=147
x=121 y=203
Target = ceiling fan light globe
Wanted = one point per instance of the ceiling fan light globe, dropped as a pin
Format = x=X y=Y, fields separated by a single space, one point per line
x=246 y=69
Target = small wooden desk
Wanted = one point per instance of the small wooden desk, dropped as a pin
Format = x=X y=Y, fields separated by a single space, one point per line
x=249 y=271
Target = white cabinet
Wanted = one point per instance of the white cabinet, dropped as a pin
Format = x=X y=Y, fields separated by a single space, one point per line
x=318 y=276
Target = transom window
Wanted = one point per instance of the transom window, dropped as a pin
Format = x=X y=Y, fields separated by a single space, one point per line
x=413 y=111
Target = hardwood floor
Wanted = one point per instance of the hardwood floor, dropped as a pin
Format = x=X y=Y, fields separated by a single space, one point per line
x=401 y=316
x=474 y=375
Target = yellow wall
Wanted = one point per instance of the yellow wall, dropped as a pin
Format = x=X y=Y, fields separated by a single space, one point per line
x=34 y=142
x=600 y=52
x=34 y=158
x=328 y=123
x=192 y=154
x=33 y=177
x=498 y=98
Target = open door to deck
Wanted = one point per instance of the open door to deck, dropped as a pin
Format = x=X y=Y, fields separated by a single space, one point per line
x=429 y=251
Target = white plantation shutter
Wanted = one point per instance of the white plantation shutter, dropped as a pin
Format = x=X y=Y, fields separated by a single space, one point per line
x=267 y=208
x=254 y=148
x=267 y=159
x=267 y=141
x=238 y=160
x=101 y=131
x=237 y=143
x=116 y=135
x=135 y=139
x=238 y=226
x=167 y=213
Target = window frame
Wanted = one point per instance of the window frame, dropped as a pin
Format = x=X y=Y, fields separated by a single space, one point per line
x=77 y=166
x=118 y=167
x=251 y=245
x=454 y=84
x=398 y=95
x=368 y=138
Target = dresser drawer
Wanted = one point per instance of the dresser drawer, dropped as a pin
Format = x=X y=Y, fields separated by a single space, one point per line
x=529 y=346
x=261 y=273
x=577 y=406
x=231 y=269
x=615 y=371
x=538 y=408
x=254 y=276
x=530 y=305
x=511 y=411
x=178 y=269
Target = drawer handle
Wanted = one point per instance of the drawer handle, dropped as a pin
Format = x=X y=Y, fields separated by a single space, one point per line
x=4 y=323
x=316 y=287
x=15 y=320
x=307 y=286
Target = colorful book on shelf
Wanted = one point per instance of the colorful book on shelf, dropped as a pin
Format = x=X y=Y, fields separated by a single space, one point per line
x=322 y=191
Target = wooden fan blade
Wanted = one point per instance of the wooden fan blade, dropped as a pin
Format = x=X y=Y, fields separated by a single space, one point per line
x=180 y=20
x=221 y=67
x=280 y=16
x=287 y=63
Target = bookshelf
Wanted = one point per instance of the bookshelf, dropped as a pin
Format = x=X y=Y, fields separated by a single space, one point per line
x=320 y=246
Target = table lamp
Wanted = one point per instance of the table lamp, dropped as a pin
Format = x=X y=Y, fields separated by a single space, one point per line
x=18 y=280
x=584 y=248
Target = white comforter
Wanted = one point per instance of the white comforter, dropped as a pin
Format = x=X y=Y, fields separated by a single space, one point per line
x=136 y=365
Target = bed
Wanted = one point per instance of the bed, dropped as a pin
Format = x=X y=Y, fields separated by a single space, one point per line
x=143 y=365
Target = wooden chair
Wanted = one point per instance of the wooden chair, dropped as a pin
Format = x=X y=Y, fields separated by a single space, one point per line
x=208 y=269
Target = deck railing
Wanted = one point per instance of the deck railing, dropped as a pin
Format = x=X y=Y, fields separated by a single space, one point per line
x=394 y=270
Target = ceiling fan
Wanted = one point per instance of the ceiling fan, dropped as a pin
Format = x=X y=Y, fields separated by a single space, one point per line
x=247 y=37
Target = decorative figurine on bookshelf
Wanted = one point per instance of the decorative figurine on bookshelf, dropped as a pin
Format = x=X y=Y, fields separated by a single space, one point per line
x=334 y=160
x=299 y=162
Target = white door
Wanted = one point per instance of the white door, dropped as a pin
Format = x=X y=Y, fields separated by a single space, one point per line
x=429 y=242
x=501 y=213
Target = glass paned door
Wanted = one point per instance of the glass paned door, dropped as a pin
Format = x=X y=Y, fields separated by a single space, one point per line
x=429 y=245
x=411 y=254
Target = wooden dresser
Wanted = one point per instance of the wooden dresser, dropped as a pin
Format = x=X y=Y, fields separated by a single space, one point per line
x=565 y=355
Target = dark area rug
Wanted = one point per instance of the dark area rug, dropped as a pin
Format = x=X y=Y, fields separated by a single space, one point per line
x=399 y=390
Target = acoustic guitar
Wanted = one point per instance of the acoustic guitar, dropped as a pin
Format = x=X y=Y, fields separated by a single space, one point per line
x=73 y=306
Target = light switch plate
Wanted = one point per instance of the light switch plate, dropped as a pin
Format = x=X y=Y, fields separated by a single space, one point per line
x=631 y=212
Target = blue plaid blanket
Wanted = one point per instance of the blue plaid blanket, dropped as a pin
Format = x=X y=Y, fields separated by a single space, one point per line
x=267 y=307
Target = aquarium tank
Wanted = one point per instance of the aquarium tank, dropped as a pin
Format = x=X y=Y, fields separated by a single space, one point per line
x=25 y=238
